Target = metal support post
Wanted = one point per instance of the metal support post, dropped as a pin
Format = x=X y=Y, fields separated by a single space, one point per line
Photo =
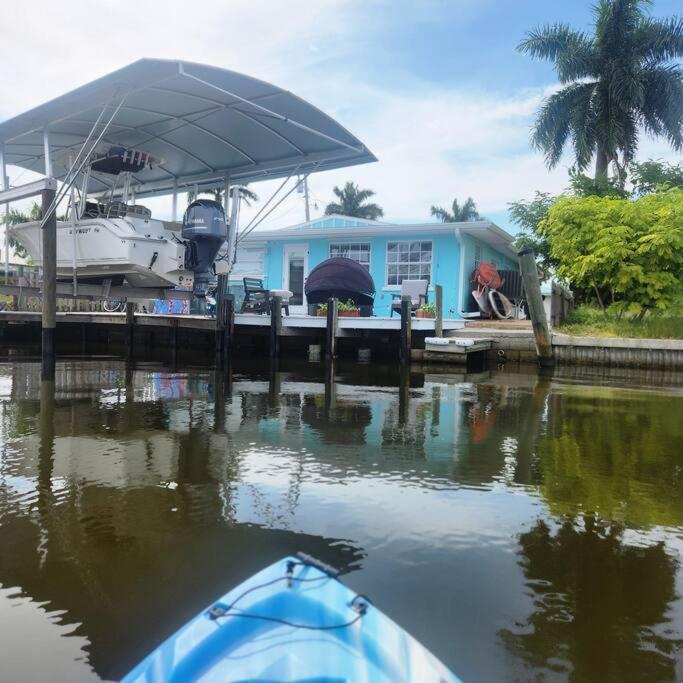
x=49 y=238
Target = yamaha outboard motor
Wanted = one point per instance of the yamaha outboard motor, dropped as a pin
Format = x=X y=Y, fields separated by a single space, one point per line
x=205 y=230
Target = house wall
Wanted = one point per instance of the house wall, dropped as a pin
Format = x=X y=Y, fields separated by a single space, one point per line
x=446 y=264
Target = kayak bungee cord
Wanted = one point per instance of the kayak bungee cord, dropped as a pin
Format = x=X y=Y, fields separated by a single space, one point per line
x=359 y=603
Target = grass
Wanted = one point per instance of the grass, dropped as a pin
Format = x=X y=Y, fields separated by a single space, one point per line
x=590 y=322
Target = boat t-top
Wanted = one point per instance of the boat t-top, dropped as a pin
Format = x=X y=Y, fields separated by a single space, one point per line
x=154 y=128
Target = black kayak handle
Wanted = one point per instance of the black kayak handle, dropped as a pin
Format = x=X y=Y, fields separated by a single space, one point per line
x=318 y=564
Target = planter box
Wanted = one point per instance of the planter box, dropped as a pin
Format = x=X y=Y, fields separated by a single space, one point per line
x=424 y=314
x=348 y=314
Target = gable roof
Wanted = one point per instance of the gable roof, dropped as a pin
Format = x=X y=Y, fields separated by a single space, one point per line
x=350 y=228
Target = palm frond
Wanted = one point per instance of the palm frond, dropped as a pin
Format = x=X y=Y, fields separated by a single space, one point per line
x=571 y=51
x=660 y=40
x=554 y=119
x=333 y=208
x=442 y=214
x=662 y=111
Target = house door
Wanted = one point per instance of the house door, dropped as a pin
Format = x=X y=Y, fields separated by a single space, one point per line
x=295 y=272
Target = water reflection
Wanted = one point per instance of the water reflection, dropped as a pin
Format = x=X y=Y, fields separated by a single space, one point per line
x=592 y=619
x=132 y=495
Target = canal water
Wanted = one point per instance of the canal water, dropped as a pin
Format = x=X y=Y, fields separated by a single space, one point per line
x=521 y=526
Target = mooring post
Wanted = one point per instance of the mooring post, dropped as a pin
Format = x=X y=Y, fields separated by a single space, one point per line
x=49 y=235
x=173 y=341
x=275 y=326
x=130 y=327
x=406 y=330
x=532 y=287
x=229 y=331
x=438 y=318
x=330 y=388
x=220 y=316
x=331 y=330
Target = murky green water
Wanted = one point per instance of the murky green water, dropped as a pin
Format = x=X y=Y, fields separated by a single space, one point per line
x=522 y=527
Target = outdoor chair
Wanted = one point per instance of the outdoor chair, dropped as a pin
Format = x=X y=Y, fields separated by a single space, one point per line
x=257 y=299
x=416 y=290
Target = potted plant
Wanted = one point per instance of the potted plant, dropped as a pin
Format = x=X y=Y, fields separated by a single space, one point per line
x=347 y=309
x=426 y=311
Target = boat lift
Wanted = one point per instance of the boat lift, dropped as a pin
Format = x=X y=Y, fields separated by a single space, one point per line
x=198 y=127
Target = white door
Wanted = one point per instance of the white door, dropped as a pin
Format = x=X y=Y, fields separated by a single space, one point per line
x=294 y=274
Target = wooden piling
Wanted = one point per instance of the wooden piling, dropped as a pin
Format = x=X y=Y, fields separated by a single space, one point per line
x=438 y=319
x=331 y=330
x=229 y=329
x=405 y=342
x=130 y=327
x=219 y=341
x=539 y=323
x=49 y=301
x=275 y=326
x=173 y=342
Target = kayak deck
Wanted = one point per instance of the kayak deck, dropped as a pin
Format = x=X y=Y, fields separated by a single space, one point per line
x=292 y=621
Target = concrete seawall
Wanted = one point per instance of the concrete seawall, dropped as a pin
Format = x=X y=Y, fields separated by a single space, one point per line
x=665 y=354
x=518 y=345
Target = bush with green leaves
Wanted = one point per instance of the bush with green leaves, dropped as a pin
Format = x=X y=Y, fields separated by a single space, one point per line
x=630 y=252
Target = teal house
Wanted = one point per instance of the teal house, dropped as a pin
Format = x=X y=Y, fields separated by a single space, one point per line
x=442 y=253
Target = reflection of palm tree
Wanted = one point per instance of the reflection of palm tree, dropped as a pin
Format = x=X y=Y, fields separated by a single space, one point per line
x=596 y=604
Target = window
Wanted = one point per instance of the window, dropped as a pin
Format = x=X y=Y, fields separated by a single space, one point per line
x=356 y=251
x=408 y=261
x=477 y=254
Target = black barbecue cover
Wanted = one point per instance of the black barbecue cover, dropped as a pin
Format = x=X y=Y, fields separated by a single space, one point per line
x=341 y=278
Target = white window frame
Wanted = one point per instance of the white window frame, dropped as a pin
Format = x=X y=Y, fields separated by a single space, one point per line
x=420 y=263
x=344 y=243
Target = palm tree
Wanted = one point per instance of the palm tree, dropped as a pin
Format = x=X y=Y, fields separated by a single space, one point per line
x=352 y=202
x=622 y=78
x=460 y=214
x=246 y=195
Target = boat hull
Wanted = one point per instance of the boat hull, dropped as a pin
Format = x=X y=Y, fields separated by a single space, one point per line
x=343 y=638
x=145 y=252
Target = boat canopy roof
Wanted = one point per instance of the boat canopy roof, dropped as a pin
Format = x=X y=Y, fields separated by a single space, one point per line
x=203 y=124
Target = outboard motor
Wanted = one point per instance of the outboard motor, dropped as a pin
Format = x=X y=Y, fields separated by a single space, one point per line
x=205 y=230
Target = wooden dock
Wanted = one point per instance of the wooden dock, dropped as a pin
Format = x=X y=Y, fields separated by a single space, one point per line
x=260 y=334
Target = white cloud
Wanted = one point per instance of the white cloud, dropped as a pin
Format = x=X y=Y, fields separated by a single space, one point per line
x=432 y=143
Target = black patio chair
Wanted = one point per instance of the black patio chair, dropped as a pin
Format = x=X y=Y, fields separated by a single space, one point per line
x=256 y=298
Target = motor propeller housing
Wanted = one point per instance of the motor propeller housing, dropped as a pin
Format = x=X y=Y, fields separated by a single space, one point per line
x=205 y=231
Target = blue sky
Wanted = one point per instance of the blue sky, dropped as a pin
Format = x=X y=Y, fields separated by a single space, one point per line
x=434 y=88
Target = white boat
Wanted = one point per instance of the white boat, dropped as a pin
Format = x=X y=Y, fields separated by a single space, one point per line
x=143 y=252
x=158 y=128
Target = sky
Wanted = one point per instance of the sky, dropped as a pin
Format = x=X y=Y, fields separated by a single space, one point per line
x=435 y=88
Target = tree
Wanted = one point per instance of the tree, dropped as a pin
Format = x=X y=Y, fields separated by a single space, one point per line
x=649 y=176
x=353 y=202
x=621 y=78
x=630 y=252
x=528 y=216
x=246 y=195
x=460 y=214
x=14 y=217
